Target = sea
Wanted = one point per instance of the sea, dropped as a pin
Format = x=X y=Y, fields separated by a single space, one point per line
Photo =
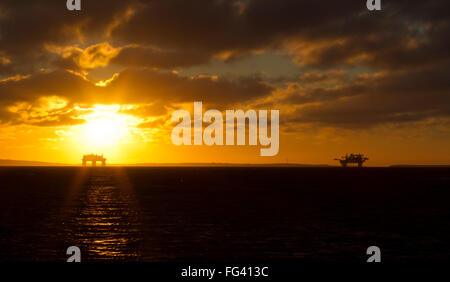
x=223 y=214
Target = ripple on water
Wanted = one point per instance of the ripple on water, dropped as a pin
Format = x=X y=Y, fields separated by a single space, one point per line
x=105 y=225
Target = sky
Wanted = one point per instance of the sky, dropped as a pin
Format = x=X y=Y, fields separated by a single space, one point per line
x=107 y=79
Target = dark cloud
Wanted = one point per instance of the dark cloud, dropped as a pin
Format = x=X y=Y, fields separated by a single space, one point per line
x=387 y=98
x=133 y=86
x=26 y=27
x=333 y=76
x=58 y=83
x=407 y=43
x=399 y=45
x=405 y=33
x=148 y=85
x=190 y=32
x=136 y=56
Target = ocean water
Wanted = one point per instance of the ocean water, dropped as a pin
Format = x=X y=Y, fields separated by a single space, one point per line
x=216 y=214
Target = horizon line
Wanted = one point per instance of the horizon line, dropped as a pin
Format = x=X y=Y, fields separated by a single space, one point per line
x=25 y=163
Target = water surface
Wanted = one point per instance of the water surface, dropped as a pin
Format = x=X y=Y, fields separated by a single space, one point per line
x=224 y=214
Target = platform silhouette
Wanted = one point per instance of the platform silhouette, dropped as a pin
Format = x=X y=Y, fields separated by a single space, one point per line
x=93 y=158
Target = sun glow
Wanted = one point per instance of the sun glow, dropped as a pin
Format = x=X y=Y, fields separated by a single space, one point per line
x=108 y=131
x=105 y=128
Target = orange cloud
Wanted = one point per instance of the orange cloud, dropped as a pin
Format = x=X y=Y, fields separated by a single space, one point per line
x=94 y=56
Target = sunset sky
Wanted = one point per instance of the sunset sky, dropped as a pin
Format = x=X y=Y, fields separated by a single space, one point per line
x=107 y=79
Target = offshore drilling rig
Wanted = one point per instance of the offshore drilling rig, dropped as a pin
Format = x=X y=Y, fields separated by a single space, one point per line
x=352 y=159
x=94 y=159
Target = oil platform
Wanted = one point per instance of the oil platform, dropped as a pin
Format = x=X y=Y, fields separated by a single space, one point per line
x=352 y=159
x=94 y=159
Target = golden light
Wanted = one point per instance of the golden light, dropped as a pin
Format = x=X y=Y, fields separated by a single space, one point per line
x=108 y=130
x=105 y=128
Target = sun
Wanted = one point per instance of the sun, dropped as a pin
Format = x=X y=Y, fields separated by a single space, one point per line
x=104 y=128
x=108 y=130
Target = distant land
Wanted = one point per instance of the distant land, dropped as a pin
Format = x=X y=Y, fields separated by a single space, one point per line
x=402 y=165
x=225 y=164
x=27 y=163
x=7 y=162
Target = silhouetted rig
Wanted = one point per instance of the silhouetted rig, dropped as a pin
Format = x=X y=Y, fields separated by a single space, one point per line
x=352 y=159
x=94 y=159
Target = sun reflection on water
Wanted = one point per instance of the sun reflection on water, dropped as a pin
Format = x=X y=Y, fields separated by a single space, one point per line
x=106 y=225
